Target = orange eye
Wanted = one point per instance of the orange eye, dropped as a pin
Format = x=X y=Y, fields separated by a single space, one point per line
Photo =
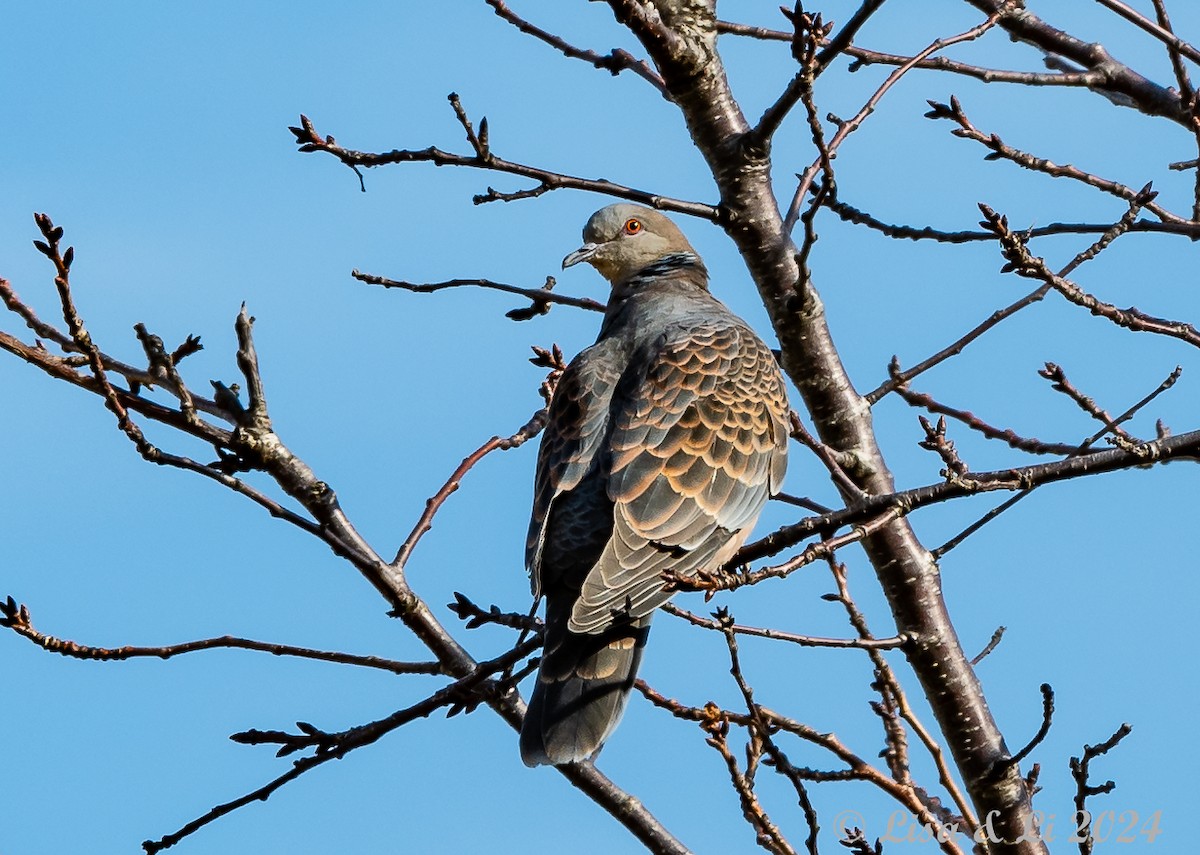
x=632 y=227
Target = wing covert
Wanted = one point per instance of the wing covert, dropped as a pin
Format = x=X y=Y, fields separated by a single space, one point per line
x=697 y=446
x=575 y=429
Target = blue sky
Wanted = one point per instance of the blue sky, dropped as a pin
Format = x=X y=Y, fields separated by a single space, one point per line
x=156 y=135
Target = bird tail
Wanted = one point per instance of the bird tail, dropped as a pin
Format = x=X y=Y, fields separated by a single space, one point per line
x=582 y=687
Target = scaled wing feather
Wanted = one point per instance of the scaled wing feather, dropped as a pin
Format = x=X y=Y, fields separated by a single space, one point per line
x=698 y=444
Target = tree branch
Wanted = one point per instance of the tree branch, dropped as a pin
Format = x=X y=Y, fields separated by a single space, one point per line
x=614 y=62
x=309 y=140
x=17 y=619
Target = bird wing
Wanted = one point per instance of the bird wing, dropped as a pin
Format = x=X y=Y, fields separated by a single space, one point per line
x=575 y=428
x=698 y=444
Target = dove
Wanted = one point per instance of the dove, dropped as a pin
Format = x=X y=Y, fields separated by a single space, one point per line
x=663 y=442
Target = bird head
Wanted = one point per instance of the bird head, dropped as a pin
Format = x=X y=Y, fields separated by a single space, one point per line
x=622 y=240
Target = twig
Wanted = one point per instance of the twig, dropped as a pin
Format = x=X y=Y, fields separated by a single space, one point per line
x=840 y=43
x=715 y=624
x=759 y=730
x=1006 y=435
x=1022 y=262
x=801 y=502
x=434 y=503
x=891 y=691
x=1083 y=447
x=850 y=214
x=1047 y=718
x=81 y=337
x=857 y=769
x=1059 y=383
x=898 y=378
x=476 y=617
x=856 y=842
x=833 y=461
x=809 y=32
x=17 y=619
x=162 y=364
x=980 y=523
x=767 y=834
x=1183 y=446
x=1080 y=770
x=999 y=150
x=729 y=579
x=339 y=745
x=1122 y=85
x=133 y=375
x=1187 y=93
x=1163 y=34
x=990 y=646
x=540 y=297
x=864 y=57
x=1126 y=223
x=309 y=140
x=614 y=62
x=848 y=127
x=1186 y=89
x=937 y=441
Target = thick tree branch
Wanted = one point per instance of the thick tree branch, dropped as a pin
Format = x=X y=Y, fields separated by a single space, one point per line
x=1123 y=86
x=1163 y=34
x=681 y=37
x=1184 y=446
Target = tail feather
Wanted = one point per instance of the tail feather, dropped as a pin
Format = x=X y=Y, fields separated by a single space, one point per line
x=582 y=688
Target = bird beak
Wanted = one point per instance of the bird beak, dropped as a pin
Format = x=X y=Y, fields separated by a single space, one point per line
x=582 y=254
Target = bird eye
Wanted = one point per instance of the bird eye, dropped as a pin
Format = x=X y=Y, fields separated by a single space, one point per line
x=632 y=227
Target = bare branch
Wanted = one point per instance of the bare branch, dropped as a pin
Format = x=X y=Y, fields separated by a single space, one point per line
x=1127 y=222
x=1047 y=718
x=714 y=624
x=435 y=502
x=835 y=463
x=1109 y=425
x=614 y=62
x=999 y=150
x=339 y=745
x=1059 y=383
x=1122 y=85
x=990 y=646
x=1084 y=789
x=848 y=127
x=253 y=444
x=541 y=298
x=850 y=214
x=893 y=693
x=937 y=441
x=732 y=577
x=1163 y=34
x=17 y=619
x=309 y=140
x=476 y=617
x=1022 y=262
x=1006 y=435
x=1184 y=446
